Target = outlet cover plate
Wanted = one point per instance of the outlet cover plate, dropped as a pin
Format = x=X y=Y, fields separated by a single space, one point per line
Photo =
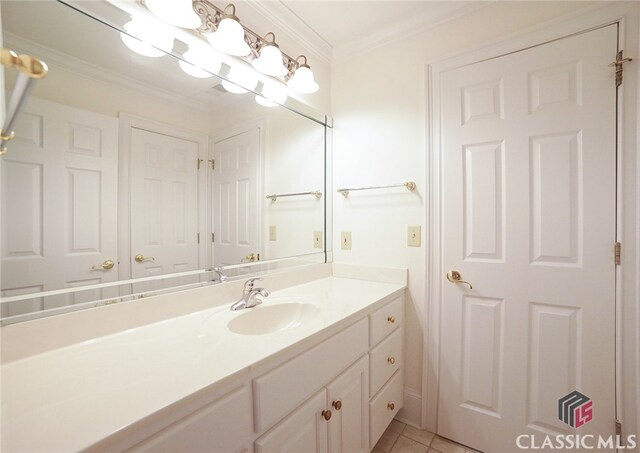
x=317 y=239
x=272 y=232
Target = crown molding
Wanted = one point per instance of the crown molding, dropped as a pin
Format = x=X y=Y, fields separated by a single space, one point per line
x=415 y=24
x=282 y=17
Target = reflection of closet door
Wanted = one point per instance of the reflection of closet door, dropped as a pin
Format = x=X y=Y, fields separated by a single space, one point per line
x=235 y=211
x=59 y=195
x=164 y=206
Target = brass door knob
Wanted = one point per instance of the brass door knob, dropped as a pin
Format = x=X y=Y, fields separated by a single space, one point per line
x=391 y=406
x=391 y=319
x=337 y=405
x=391 y=360
x=455 y=277
x=105 y=266
x=326 y=415
x=140 y=258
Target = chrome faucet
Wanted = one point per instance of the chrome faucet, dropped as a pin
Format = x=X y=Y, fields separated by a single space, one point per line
x=250 y=295
x=219 y=275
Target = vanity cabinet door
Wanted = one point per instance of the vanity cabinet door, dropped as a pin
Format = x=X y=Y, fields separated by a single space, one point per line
x=348 y=400
x=304 y=430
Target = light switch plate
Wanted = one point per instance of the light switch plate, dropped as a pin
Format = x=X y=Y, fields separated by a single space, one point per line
x=345 y=240
x=413 y=236
x=317 y=239
x=272 y=232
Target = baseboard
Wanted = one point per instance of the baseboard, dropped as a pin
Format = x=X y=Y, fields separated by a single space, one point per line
x=411 y=413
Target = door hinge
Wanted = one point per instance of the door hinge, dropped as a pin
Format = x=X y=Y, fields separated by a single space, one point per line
x=199 y=163
x=618 y=252
x=213 y=163
x=198 y=238
x=213 y=237
x=620 y=60
x=618 y=428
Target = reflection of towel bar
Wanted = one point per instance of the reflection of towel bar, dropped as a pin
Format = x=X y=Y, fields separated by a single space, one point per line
x=30 y=69
x=274 y=197
x=410 y=185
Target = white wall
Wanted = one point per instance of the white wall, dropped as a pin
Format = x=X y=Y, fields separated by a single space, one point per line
x=378 y=105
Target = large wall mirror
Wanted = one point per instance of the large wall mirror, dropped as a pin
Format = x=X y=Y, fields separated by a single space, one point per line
x=129 y=167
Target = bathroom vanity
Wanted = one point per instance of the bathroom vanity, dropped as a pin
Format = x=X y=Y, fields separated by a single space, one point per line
x=316 y=367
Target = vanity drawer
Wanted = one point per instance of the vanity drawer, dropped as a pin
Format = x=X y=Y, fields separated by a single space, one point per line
x=384 y=407
x=385 y=320
x=386 y=359
x=280 y=391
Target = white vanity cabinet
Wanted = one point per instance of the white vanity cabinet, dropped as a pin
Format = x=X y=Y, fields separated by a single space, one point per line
x=386 y=336
x=333 y=420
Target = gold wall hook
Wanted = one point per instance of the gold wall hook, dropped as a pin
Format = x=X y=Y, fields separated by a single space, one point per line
x=455 y=277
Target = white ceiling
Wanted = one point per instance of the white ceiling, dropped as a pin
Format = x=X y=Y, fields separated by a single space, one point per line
x=341 y=23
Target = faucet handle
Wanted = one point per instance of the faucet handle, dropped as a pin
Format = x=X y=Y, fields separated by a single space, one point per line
x=248 y=285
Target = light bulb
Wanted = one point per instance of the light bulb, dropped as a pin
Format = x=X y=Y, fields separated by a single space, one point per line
x=241 y=79
x=302 y=80
x=272 y=95
x=147 y=37
x=270 y=61
x=201 y=61
x=176 y=12
x=229 y=38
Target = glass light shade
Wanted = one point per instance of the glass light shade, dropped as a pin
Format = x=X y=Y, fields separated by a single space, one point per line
x=303 y=81
x=272 y=95
x=270 y=61
x=147 y=38
x=176 y=12
x=241 y=80
x=202 y=62
x=229 y=38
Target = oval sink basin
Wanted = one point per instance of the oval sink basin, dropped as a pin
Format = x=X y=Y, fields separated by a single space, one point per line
x=265 y=319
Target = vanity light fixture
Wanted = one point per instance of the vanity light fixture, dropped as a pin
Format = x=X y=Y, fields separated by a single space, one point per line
x=147 y=37
x=302 y=79
x=269 y=61
x=201 y=61
x=229 y=37
x=175 y=12
x=241 y=79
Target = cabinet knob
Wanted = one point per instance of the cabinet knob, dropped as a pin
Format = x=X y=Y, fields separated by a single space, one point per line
x=337 y=405
x=391 y=406
x=326 y=415
x=391 y=319
x=391 y=360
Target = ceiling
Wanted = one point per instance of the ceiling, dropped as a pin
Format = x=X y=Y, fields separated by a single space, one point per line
x=341 y=23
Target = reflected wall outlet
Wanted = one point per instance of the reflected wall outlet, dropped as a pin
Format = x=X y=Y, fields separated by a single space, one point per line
x=413 y=236
x=272 y=232
x=317 y=239
x=345 y=240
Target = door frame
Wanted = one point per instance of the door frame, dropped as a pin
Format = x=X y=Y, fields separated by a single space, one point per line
x=627 y=16
x=128 y=122
x=261 y=124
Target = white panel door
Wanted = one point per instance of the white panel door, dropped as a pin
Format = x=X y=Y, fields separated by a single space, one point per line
x=164 y=207
x=235 y=198
x=529 y=190
x=59 y=204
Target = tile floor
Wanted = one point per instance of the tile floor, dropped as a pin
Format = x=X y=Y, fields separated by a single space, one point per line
x=401 y=438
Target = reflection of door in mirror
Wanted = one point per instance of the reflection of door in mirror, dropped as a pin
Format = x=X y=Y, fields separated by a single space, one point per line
x=164 y=206
x=236 y=216
x=59 y=205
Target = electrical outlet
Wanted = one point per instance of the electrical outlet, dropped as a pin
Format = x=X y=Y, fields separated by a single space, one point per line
x=272 y=232
x=345 y=240
x=317 y=239
x=413 y=236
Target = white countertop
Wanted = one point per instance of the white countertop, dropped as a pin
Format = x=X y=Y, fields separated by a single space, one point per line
x=70 y=398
